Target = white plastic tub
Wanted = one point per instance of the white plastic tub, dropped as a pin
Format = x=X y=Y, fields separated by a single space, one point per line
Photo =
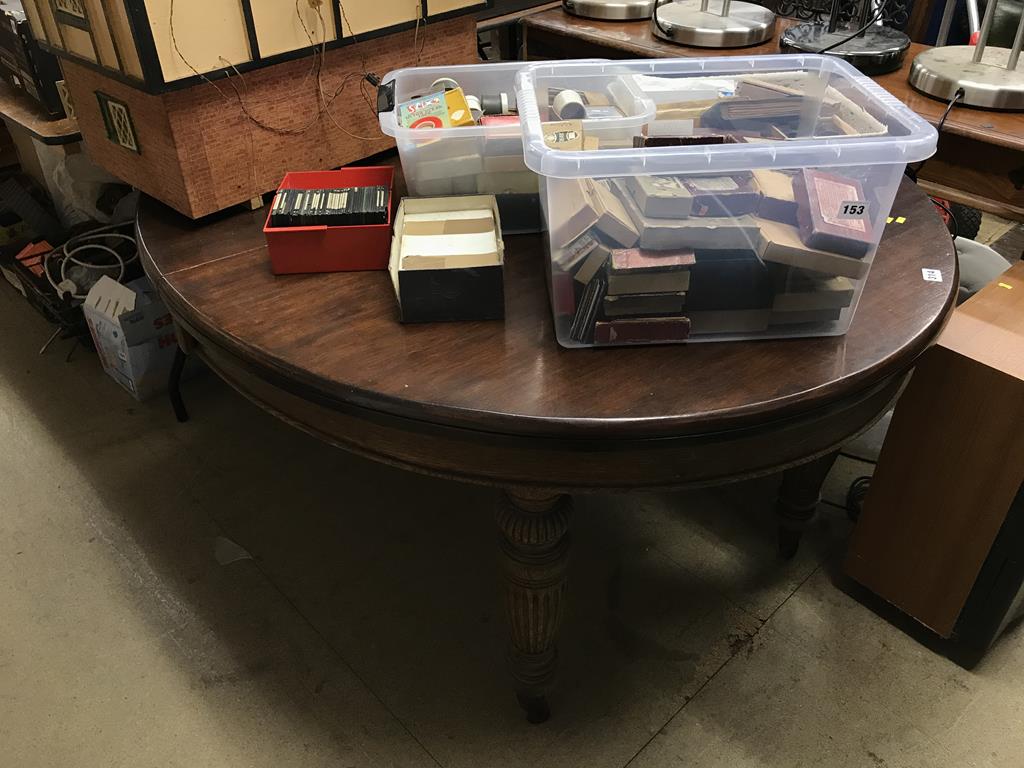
x=481 y=159
x=770 y=235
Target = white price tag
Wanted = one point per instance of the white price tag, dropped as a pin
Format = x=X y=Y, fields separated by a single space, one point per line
x=932 y=275
x=854 y=209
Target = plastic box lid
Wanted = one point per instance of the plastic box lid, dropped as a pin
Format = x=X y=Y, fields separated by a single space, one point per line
x=410 y=82
x=909 y=138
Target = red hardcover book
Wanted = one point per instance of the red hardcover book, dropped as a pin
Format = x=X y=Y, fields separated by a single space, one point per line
x=833 y=213
x=633 y=260
x=642 y=331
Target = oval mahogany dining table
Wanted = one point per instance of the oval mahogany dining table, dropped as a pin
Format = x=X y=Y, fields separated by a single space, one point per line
x=501 y=403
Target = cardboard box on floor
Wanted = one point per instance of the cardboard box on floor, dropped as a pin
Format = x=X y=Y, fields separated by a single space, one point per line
x=133 y=333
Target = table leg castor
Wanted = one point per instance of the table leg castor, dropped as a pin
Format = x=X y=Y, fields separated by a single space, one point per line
x=174 y=385
x=536 y=708
x=798 y=499
x=789 y=542
x=534 y=530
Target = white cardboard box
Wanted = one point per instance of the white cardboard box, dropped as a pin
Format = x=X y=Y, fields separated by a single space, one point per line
x=133 y=333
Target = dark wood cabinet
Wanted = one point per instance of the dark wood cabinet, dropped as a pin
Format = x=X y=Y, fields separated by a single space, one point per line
x=941 y=536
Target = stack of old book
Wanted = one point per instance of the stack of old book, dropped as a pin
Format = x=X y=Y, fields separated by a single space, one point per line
x=664 y=258
x=815 y=248
x=711 y=216
x=765 y=106
x=646 y=294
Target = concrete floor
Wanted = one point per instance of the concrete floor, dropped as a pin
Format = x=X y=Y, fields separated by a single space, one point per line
x=364 y=628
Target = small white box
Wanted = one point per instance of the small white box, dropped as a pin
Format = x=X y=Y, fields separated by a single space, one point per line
x=133 y=333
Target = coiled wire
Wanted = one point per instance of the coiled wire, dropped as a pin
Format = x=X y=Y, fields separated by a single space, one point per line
x=74 y=252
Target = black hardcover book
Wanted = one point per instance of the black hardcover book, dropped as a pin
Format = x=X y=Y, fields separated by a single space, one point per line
x=339 y=199
x=341 y=207
x=288 y=214
x=365 y=196
x=277 y=208
x=309 y=213
x=381 y=202
x=682 y=141
x=729 y=279
x=311 y=210
x=753 y=114
x=315 y=207
x=351 y=207
x=325 y=208
x=582 y=328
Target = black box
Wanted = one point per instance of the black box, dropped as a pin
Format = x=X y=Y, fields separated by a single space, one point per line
x=520 y=212
x=462 y=286
x=729 y=279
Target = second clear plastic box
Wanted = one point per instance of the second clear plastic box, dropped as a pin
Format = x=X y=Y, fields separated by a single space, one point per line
x=483 y=159
x=760 y=222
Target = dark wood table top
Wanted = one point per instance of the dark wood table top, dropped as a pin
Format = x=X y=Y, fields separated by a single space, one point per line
x=622 y=39
x=22 y=110
x=632 y=39
x=1005 y=129
x=336 y=338
x=488 y=22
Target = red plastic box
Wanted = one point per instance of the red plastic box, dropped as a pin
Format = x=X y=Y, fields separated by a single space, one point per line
x=332 y=249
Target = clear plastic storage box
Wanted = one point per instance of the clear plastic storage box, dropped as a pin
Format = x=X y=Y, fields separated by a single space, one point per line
x=487 y=159
x=750 y=207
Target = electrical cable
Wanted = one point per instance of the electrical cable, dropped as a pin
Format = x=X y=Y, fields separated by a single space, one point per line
x=960 y=93
x=655 y=19
x=363 y=75
x=71 y=252
x=914 y=172
x=874 y=19
x=85 y=238
x=956 y=225
x=120 y=263
x=416 y=32
x=317 y=67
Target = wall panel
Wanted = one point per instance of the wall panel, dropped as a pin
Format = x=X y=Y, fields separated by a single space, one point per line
x=101 y=34
x=208 y=33
x=279 y=29
x=78 y=42
x=371 y=15
x=122 y=33
x=35 y=21
x=435 y=7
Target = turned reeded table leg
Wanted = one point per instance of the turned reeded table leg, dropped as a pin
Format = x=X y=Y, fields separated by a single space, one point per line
x=798 y=498
x=534 y=529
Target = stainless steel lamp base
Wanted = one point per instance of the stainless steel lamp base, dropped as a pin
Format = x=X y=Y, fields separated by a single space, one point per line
x=877 y=51
x=683 y=22
x=939 y=72
x=610 y=10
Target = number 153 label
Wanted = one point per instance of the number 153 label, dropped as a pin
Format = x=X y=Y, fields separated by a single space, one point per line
x=854 y=209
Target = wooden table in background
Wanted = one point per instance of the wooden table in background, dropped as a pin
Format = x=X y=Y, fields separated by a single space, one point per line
x=39 y=139
x=500 y=403
x=505 y=29
x=20 y=112
x=980 y=160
